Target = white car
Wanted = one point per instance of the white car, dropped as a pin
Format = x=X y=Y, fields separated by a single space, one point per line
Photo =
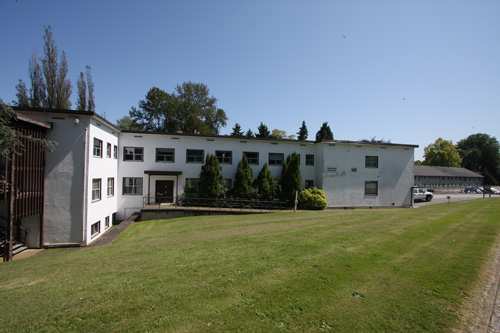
x=420 y=194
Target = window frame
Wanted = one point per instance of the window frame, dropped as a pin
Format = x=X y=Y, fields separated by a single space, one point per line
x=96 y=192
x=106 y=222
x=95 y=229
x=108 y=150
x=171 y=150
x=275 y=160
x=115 y=151
x=308 y=159
x=134 y=154
x=97 y=149
x=371 y=162
x=251 y=159
x=196 y=158
x=224 y=159
x=112 y=187
x=369 y=190
x=132 y=186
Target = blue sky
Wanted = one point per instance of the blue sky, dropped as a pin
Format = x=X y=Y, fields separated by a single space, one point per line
x=408 y=71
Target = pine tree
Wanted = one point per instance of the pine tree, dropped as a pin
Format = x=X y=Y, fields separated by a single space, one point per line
x=243 y=180
x=266 y=185
x=263 y=131
x=211 y=183
x=324 y=133
x=249 y=133
x=237 y=131
x=302 y=133
x=290 y=180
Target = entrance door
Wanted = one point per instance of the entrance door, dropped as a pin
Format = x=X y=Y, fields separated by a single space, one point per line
x=164 y=191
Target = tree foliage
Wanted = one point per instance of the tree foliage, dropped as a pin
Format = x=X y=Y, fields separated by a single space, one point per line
x=211 y=184
x=266 y=184
x=302 y=133
x=290 y=179
x=312 y=199
x=237 y=131
x=50 y=86
x=189 y=109
x=243 y=180
x=324 y=133
x=10 y=138
x=442 y=153
x=481 y=153
x=263 y=131
x=249 y=133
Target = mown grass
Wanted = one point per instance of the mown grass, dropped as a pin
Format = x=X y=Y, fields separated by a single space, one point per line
x=362 y=270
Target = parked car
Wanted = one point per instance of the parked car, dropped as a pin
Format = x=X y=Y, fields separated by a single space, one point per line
x=422 y=195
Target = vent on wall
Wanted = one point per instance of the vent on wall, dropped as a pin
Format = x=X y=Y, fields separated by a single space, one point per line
x=137 y=136
x=331 y=169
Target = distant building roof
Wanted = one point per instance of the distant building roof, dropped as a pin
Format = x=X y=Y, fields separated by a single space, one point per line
x=431 y=171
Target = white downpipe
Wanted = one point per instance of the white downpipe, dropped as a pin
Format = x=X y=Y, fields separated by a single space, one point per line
x=85 y=186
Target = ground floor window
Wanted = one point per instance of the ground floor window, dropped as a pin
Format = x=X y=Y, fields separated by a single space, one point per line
x=106 y=222
x=371 y=188
x=132 y=186
x=95 y=228
x=309 y=183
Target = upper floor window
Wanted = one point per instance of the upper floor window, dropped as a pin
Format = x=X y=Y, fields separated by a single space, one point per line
x=97 y=148
x=194 y=156
x=115 y=151
x=133 y=153
x=108 y=150
x=371 y=188
x=165 y=155
x=309 y=159
x=276 y=159
x=253 y=158
x=96 y=189
x=224 y=157
x=371 y=161
x=111 y=187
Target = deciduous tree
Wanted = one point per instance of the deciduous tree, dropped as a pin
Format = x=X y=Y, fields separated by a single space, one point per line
x=441 y=153
x=480 y=153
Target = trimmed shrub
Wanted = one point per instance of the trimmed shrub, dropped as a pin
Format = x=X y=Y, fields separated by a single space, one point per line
x=312 y=199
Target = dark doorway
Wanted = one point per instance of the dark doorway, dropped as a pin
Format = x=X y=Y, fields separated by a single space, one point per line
x=164 y=191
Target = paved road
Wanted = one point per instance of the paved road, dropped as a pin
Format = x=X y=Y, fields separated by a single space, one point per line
x=454 y=196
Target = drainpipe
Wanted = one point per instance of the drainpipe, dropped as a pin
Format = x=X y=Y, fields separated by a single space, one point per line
x=85 y=186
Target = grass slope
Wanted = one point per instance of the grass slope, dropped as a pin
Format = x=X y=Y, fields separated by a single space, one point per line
x=362 y=270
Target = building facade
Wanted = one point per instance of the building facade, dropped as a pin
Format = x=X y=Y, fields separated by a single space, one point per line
x=99 y=173
x=428 y=176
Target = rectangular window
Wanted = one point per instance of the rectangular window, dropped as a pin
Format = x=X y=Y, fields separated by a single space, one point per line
x=276 y=159
x=194 y=156
x=133 y=153
x=224 y=157
x=371 y=161
x=253 y=158
x=108 y=150
x=371 y=188
x=96 y=189
x=132 y=186
x=115 y=151
x=111 y=187
x=106 y=222
x=228 y=183
x=97 y=148
x=165 y=155
x=309 y=183
x=309 y=159
x=95 y=228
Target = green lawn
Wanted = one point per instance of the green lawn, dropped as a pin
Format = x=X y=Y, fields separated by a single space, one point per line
x=356 y=270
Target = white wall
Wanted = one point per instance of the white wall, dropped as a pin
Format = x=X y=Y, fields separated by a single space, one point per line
x=346 y=188
x=101 y=168
x=130 y=203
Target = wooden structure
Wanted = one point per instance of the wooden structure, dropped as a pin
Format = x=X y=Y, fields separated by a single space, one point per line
x=22 y=189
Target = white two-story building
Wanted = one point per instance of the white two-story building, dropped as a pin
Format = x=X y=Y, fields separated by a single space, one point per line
x=98 y=173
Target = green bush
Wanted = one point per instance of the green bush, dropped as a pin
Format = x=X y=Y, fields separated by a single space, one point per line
x=312 y=199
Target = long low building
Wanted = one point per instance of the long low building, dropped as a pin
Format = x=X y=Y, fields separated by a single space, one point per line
x=98 y=173
x=427 y=176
